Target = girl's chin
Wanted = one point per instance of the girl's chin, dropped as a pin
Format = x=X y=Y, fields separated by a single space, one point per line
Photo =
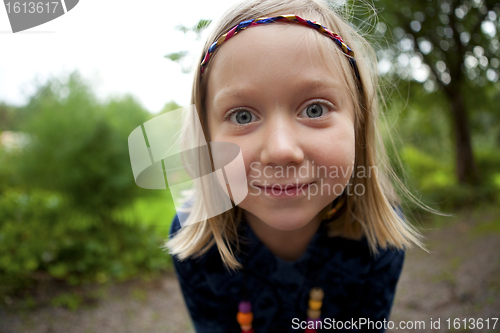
x=286 y=224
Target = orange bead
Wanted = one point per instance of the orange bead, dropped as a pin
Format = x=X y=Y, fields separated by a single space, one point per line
x=315 y=305
x=244 y=318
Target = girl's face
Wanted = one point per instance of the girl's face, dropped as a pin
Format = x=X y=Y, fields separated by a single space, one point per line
x=290 y=112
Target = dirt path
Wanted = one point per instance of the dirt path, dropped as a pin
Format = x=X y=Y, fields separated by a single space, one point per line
x=459 y=279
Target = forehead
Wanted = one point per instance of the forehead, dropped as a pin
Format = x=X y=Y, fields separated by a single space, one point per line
x=270 y=55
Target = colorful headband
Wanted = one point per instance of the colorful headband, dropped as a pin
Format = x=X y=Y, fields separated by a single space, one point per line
x=286 y=18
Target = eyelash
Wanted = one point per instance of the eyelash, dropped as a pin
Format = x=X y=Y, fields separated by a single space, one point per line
x=328 y=105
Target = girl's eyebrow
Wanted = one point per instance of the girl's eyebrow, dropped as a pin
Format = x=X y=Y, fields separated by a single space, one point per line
x=323 y=84
x=229 y=92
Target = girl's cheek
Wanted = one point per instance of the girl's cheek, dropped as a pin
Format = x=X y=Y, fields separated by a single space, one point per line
x=249 y=161
x=252 y=165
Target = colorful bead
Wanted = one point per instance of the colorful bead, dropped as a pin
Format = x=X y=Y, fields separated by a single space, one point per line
x=246 y=328
x=244 y=318
x=315 y=302
x=245 y=315
x=315 y=305
x=245 y=307
x=317 y=294
x=313 y=313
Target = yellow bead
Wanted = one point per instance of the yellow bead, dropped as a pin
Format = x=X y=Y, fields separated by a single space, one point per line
x=313 y=314
x=317 y=294
x=315 y=305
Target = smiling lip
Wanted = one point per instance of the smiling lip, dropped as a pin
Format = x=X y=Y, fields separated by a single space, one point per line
x=284 y=186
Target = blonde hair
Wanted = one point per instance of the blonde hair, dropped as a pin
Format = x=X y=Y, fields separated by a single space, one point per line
x=372 y=214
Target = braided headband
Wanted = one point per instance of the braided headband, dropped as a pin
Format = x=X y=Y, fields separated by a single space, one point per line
x=285 y=18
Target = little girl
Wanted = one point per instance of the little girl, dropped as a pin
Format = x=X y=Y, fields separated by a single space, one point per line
x=318 y=242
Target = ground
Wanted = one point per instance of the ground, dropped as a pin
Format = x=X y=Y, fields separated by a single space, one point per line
x=459 y=278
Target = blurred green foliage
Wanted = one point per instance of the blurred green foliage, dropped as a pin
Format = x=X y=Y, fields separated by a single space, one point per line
x=447 y=46
x=40 y=233
x=68 y=196
x=68 y=300
x=82 y=144
x=423 y=151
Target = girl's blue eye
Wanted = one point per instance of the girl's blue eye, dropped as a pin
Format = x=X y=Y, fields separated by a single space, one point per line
x=315 y=110
x=241 y=117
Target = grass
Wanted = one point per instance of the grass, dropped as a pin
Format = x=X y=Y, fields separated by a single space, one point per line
x=487 y=227
x=474 y=222
x=71 y=301
x=157 y=211
x=445 y=276
x=139 y=295
x=484 y=218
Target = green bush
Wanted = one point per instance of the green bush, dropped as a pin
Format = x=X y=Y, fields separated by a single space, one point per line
x=426 y=171
x=434 y=179
x=39 y=233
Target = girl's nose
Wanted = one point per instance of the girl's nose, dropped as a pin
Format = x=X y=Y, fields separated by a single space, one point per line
x=281 y=143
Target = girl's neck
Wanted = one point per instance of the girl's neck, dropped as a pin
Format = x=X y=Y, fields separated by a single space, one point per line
x=287 y=245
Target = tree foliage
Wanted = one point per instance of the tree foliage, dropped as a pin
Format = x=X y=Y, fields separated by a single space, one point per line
x=449 y=46
x=79 y=146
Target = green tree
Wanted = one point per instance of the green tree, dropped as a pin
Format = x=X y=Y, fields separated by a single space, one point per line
x=78 y=146
x=179 y=57
x=450 y=46
x=8 y=117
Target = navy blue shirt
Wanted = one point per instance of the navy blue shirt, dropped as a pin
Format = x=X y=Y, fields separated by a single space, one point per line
x=356 y=285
